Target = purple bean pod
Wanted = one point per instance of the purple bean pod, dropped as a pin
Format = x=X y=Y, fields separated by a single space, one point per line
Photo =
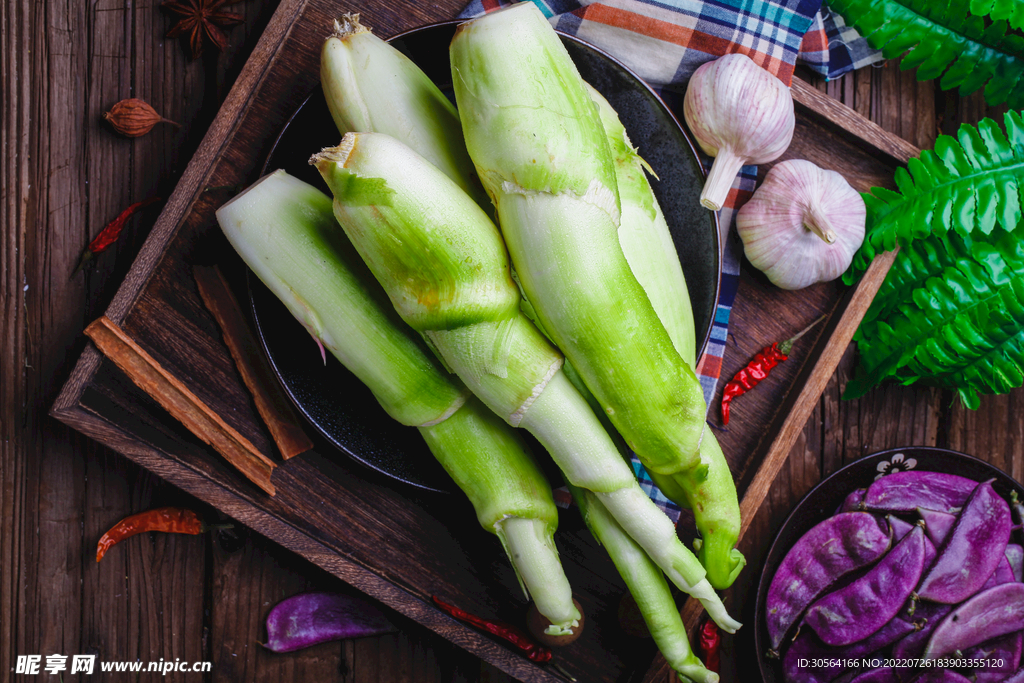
x=900 y=527
x=854 y=502
x=806 y=646
x=907 y=491
x=937 y=525
x=989 y=614
x=809 y=646
x=1005 y=648
x=311 y=618
x=1018 y=677
x=973 y=549
x=830 y=550
x=861 y=608
x=885 y=675
x=1002 y=574
x=1015 y=556
x=927 y=615
x=941 y=676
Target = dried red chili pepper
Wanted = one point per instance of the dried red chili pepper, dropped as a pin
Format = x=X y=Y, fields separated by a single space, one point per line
x=168 y=519
x=709 y=640
x=757 y=369
x=533 y=651
x=110 y=233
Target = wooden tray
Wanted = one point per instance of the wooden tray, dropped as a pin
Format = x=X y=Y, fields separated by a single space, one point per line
x=397 y=544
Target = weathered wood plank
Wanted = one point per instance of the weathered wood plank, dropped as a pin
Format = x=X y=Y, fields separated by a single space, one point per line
x=248 y=577
x=64 y=175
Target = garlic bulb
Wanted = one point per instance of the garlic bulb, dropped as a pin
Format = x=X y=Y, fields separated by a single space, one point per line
x=802 y=225
x=740 y=114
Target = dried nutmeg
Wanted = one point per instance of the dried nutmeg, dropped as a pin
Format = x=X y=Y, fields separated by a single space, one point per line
x=133 y=117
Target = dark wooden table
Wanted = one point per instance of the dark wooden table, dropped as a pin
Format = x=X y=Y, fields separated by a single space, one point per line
x=64 y=175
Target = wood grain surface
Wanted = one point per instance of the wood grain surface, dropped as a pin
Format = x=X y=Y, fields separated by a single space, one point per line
x=64 y=175
x=161 y=312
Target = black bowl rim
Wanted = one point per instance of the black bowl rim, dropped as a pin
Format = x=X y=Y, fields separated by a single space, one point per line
x=716 y=237
x=766 y=669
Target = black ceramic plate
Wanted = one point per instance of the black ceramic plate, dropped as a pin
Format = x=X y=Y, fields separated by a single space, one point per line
x=826 y=497
x=341 y=408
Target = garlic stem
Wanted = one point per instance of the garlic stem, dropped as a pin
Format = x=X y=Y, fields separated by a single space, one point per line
x=724 y=170
x=816 y=222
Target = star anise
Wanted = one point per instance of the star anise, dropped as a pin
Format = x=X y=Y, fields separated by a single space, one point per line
x=202 y=20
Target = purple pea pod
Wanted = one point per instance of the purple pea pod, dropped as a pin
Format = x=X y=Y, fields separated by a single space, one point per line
x=900 y=527
x=311 y=618
x=832 y=549
x=941 y=676
x=885 y=675
x=880 y=639
x=973 y=550
x=861 y=608
x=1002 y=574
x=907 y=491
x=801 y=656
x=989 y=614
x=853 y=502
x=808 y=647
x=937 y=524
x=927 y=616
x=1005 y=649
x=1015 y=678
x=1015 y=556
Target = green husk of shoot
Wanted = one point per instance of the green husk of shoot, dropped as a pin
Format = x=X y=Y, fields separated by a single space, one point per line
x=645 y=238
x=647 y=585
x=651 y=254
x=285 y=230
x=541 y=152
x=481 y=454
x=297 y=250
x=425 y=240
x=370 y=86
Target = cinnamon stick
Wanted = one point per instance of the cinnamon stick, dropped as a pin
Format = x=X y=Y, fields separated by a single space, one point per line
x=271 y=403
x=181 y=403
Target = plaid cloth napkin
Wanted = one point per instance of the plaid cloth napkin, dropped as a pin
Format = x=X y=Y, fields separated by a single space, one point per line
x=663 y=43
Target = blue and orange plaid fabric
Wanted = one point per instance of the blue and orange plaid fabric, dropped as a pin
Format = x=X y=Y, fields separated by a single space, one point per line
x=664 y=43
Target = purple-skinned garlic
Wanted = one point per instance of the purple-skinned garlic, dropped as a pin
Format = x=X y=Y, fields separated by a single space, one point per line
x=803 y=225
x=740 y=114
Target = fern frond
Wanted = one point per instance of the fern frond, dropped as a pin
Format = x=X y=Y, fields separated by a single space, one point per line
x=911 y=269
x=951 y=311
x=1010 y=10
x=968 y=184
x=956 y=331
x=948 y=38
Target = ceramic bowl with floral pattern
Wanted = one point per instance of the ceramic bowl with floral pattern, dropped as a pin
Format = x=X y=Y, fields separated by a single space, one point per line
x=825 y=499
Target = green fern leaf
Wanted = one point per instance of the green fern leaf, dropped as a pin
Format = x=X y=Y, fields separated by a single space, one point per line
x=1011 y=11
x=967 y=43
x=968 y=184
x=911 y=269
x=959 y=331
x=951 y=311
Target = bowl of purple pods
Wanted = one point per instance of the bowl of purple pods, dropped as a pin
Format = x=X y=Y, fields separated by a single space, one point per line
x=902 y=567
